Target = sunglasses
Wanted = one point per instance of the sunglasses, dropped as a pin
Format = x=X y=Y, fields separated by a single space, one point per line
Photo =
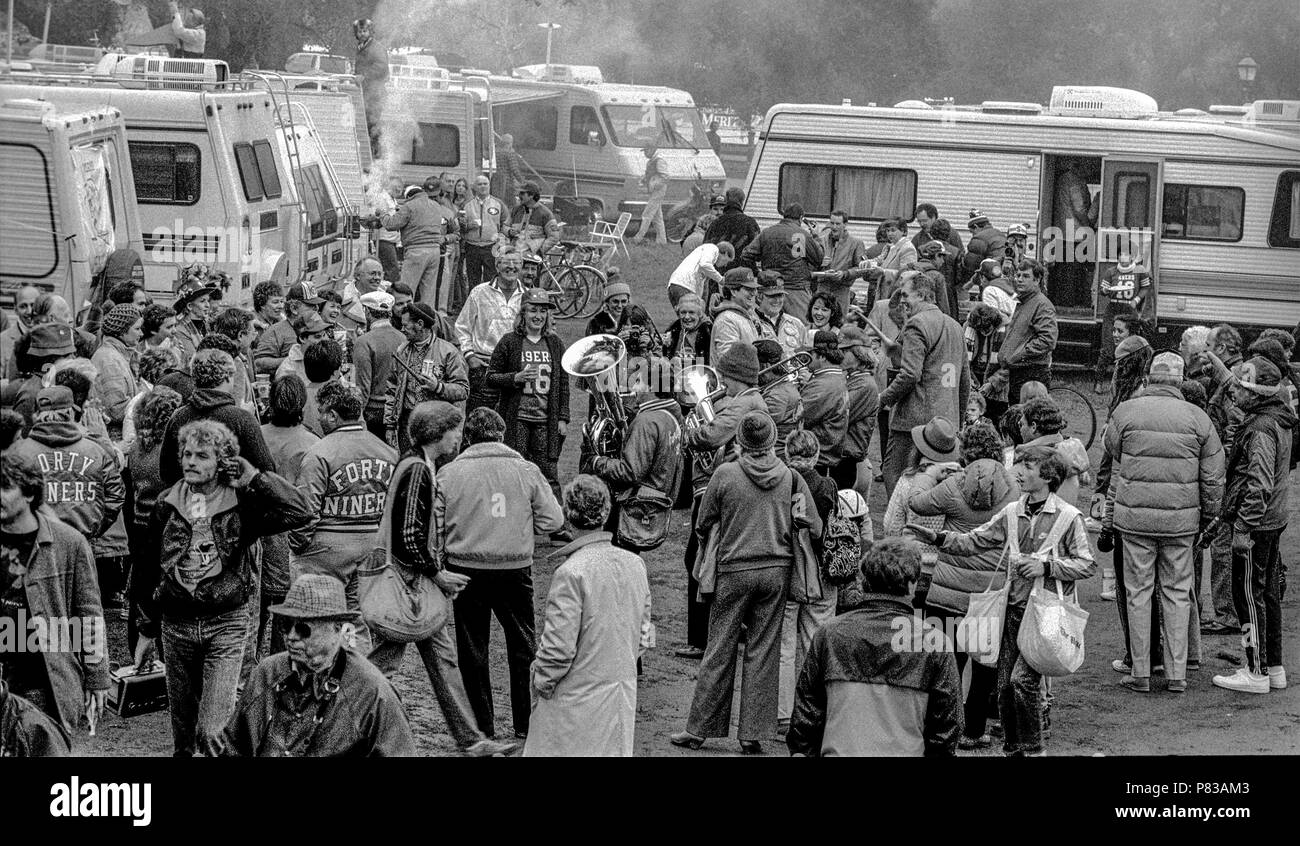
x=298 y=627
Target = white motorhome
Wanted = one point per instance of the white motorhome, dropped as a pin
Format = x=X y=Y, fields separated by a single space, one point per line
x=436 y=126
x=220 y=178
x=584 y=135
x=1212 y=207
x=69 y=199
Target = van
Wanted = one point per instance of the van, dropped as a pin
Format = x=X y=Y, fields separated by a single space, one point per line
x=431 y=126
x=1211 y=207
x=69 y=197
x=218 y=178
x=583 y=136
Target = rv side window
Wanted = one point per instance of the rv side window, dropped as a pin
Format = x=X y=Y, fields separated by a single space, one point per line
x=267 y=170
x=869 y=193
x=25 y=171
x=322 y=217
x=1202 y=212
x=165 y=173
x=1284 y=225
x=533 y=125
x=438 y=145
x=249 y=175
x=584 y=127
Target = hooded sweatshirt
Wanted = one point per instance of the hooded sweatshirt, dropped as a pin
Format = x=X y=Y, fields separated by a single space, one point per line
x=1258 y=470
x=750 y=501
x=83 y=481
x=965 y=500
x=209 y=404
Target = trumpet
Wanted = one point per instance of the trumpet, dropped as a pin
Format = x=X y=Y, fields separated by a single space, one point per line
x=597 y=357
x=703 y=386
x=783 y=371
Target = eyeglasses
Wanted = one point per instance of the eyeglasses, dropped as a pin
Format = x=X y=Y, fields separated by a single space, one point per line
x=300 y=628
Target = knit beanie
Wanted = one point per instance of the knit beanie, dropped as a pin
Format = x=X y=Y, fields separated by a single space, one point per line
x=769 y=351
x=740 y=362
x=757 y=432
x=120 y=319
x=1260 y=376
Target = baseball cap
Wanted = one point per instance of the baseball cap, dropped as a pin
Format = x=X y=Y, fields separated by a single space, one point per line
x=377 y=301
x=717 y=200
x=1169 y=365
x=739 y=277
x=536 y=296
x=304 y=292
x=54 y=398
x=314 y=323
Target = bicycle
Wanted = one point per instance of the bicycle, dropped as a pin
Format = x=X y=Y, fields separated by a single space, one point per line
x=1080 y=415
x=567 y=275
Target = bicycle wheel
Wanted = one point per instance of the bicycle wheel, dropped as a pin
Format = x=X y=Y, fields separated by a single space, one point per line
x=1080 y=416
x=573 y=292
x=594 y=282
x=548 y=280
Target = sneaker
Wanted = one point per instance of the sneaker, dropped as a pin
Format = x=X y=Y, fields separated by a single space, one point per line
x=1121 y=665
x=1214 y=627
x=1178 y=685
x=1140 y=684
x=1243 y=681
x=984 y=741
x=1277 y=678
x=690 y=652
x=686 y=740
x=486 y=748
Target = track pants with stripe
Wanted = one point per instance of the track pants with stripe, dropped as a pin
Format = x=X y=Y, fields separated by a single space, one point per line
x=1257 y=593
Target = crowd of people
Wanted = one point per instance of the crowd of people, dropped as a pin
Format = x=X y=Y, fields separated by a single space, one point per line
x=247 y=490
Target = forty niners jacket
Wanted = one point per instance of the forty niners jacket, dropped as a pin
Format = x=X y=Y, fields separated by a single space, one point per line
x=1258 y=482
x=268 y=506
x=345 y=477
x=83 y=481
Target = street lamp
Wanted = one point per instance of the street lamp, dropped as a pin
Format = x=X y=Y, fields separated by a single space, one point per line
x=550 y=30
x=1246 y=70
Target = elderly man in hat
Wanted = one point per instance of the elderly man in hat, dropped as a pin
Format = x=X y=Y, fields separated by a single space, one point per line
x=1256 y=509
x=773 y=320
x=426 y=367
x=1168 y=468
x=308 y=327
x=372 y=356
x=424 y=225
x=789 y=249
x=273 y=345
x=655 y=183
x=193 y=307
x=319 y=698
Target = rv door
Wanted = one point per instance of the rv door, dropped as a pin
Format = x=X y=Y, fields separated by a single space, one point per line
x=1129 y=221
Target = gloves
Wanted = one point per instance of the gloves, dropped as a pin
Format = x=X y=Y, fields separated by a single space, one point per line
x=1241 y=543
x=1106 y=541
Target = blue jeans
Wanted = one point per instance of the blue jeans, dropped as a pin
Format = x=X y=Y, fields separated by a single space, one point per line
x=203 y=658
x=438 y=652
x=1019 y=690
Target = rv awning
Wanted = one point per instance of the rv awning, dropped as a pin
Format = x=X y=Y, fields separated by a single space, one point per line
x=502 y=96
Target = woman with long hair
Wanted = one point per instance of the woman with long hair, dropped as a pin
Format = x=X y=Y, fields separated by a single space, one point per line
x=460 y=194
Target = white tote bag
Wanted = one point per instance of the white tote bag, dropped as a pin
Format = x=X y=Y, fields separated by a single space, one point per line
x=1051 y=633
x=979 y=633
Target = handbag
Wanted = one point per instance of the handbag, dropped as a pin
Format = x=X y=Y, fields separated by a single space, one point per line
x=979 y=633
x=806 y=574
x=644 y=519
x=1051 y=633
x=398 y=604
x=705 y=571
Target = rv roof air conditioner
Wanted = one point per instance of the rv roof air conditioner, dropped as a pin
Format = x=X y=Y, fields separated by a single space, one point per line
x=1275 y=110
x=572 y=74
x=914 y=104
x=142 y=71
x=1008 y=107
x=1101 y=101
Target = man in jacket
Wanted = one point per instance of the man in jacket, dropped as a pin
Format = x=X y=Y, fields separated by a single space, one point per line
x=773 y=321
x=856 y=682
x=372 y=357
x=700 y=273
x=273 y=345
x=485 y=218
x=787 y=248
x=825 y=399
x=1026 y=352
x=934 y=378
x=843 y=255
x=320 y=698
x=424 y=225
x=442 y=370
x=733 y=225
x=1256 y=508
x=214 y=382
x=1168 y=485
x=488 y=315
x=47 y=573
x=488 y=505
x=986 y=242
x=780 y=393
x=854 y=469
x=83 y=480
x=344 y=477
x=734 y=319
x=116 y=384
x=16 y=331
x=197 y=588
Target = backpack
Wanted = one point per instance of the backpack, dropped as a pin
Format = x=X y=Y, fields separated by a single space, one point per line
x=841 y=548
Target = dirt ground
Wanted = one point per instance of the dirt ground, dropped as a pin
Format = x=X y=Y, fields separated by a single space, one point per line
x=1092 y=714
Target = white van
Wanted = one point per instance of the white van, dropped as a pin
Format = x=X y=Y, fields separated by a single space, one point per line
x=1211 y=207
x=215 y=176
x=584 y=135
x=69 y=199
x=436 y=126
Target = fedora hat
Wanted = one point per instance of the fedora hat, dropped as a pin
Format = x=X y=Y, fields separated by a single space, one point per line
x=937 y=440
x=315 y=597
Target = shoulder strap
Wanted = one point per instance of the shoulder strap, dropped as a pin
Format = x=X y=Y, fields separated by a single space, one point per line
x=1012 y=515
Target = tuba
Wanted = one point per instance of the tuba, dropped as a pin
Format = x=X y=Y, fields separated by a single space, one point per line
x=783 y=371
x=597 y=357
x=703 y=386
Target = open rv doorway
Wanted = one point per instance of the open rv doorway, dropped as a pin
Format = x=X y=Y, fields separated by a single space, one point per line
x=1069 y=203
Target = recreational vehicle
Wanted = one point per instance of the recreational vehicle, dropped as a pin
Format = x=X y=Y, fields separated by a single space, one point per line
x=69 y=199
x=1212 y=207
x=220 y=177
x=431 y=125
x=584 y=136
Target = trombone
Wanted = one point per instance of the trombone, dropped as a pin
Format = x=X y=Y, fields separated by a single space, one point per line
x=597 y=357
x=783 y=371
